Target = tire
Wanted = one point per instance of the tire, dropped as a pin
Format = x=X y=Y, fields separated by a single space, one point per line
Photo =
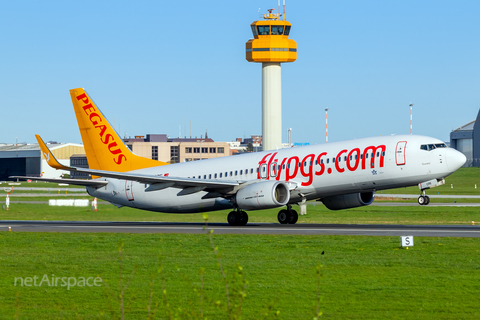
x=427 y=200
x=243 y=218
x=421 y=200
x=232 y=218
x=293 y=217
x=283 y=216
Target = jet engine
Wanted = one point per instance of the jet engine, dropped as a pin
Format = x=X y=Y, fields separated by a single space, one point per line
x=347 y=201
x=263 y=195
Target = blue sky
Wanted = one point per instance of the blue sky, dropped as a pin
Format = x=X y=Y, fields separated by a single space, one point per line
x=149 y=65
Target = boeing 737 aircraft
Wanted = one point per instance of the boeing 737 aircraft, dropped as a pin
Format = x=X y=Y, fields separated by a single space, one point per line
x=342 y=174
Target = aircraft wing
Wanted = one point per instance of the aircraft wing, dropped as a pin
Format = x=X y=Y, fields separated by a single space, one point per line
x=142 y=178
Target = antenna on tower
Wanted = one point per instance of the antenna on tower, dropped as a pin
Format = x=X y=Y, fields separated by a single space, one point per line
x=279 y=8
x=283 y=9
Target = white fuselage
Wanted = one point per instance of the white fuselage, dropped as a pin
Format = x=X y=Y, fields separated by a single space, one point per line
x=311 y=172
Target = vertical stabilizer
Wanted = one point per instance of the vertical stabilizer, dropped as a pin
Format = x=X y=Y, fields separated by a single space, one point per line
x=104 y=148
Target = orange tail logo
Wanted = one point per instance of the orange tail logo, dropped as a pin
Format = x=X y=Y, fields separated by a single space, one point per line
x=104 y=148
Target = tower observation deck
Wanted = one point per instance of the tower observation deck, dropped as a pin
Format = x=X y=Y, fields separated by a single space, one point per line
x=271 y=46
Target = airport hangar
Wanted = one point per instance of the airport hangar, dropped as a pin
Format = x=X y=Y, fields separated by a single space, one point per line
x=466 y=139
x=27 y=160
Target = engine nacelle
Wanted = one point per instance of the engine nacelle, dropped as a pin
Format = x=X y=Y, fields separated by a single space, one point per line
x=263 y=195
x=347 y=201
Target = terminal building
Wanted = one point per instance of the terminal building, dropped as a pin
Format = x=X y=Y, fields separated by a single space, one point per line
x=466 y=139
x=173 y=150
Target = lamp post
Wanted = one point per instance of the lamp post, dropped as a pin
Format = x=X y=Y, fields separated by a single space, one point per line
x=326 y=125
x=411 y=129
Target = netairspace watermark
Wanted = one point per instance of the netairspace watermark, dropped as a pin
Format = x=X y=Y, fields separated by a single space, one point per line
x=53 y=281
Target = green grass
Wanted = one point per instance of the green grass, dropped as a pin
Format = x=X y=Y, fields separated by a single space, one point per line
x=362 y=277
x=463 y=181
x=316 y=214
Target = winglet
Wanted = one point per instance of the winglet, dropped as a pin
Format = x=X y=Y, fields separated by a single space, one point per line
x=51 y=160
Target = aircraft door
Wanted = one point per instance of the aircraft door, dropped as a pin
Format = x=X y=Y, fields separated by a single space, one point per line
x=129 y=190
x=400 y=153
x=263 y=171
x=273 y=169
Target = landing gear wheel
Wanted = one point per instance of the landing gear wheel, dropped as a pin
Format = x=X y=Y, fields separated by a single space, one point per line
x=427 y=200
x=284 y=216
x=232 y=218
x=243 y=218
x=293 y=217
x=422 y=200
x=237 y=218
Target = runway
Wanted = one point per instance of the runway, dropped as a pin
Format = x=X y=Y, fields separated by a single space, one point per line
x=253 y=228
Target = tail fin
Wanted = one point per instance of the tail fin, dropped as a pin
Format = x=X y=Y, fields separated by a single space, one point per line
x=104 y=148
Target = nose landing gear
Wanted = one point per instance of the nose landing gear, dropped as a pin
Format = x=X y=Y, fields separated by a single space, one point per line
x=288 y=216
x=423 y=199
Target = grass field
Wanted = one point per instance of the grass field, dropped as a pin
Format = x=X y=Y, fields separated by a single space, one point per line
x=361 y=277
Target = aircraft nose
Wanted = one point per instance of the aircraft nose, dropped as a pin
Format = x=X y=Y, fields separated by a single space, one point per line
x=455 y=159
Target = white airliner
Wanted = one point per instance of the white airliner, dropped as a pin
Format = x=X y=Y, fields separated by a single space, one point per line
x=342 y=174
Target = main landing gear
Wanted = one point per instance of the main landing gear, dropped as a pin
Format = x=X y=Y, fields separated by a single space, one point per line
x=423 y=200
x=288 y=216
x=237 y=217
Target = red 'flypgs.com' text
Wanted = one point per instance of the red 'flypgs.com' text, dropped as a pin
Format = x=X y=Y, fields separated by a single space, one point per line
x=344 y=161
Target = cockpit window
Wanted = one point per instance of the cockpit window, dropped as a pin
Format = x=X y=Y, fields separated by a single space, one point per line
x=430 y=147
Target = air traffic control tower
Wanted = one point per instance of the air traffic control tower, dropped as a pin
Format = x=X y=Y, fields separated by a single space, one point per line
x=271 y=47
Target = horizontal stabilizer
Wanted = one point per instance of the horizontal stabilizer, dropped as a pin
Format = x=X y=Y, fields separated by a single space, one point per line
x=75 y=182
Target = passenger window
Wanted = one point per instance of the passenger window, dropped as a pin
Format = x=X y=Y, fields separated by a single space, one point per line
x=205 y=176
x=215 y=176
x=251 y=170
x=231 y=173
x=241 y=172
x=321 y=161
x=236 y=172
x=220 y=174
x=210 y=176
x=328 y=160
